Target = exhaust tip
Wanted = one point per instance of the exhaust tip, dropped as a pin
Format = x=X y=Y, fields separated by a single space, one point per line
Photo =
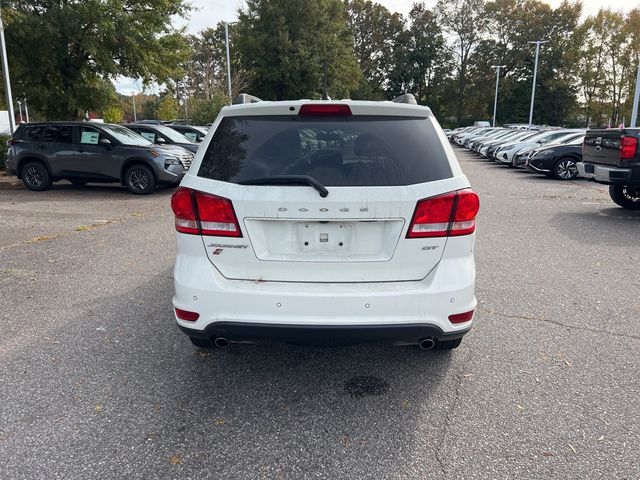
x=222 y=342
x=427 y=344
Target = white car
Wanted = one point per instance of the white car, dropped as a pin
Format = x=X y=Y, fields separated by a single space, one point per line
x=331 y=221
x=505 y=153
x=472 y=134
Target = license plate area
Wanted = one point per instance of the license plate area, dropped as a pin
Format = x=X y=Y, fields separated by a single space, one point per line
x=324 y=236
x=312 y=241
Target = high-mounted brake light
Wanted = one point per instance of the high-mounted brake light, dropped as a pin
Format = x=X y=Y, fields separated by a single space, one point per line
x=199 y=213
x=451 y=214
x=324 y=110
x=628 y=147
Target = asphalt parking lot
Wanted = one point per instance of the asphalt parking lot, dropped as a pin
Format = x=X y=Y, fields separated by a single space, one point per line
x=96 y=381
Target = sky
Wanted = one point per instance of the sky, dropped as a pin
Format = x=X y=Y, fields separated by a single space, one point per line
x=208 y=13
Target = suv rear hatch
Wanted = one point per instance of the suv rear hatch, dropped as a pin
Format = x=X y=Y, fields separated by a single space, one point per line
x=325 y=195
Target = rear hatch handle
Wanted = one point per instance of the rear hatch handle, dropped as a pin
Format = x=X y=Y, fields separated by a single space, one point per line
x=288 y=180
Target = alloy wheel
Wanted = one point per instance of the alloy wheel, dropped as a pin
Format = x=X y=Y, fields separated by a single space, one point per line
x=138 y=179
x=567 y=169
x=34 y=176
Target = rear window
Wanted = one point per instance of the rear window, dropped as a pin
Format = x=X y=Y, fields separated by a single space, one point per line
x=351 y=151
x=45 y=133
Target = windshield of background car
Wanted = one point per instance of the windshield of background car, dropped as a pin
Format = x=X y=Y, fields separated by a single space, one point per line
x=570 y=139
x=520 y=136
x=335 y=151
x=172 y=135
x=536 y=137
x=550 y=137
x=126 y=136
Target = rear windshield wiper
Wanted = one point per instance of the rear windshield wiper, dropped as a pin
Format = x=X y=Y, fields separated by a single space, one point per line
x=288 y=180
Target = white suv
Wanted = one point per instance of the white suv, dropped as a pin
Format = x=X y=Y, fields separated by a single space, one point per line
x=330 y=221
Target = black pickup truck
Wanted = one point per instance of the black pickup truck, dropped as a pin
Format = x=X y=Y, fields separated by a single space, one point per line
x=612 y=157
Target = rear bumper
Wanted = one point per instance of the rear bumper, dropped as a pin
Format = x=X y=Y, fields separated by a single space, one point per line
x=356 y=308
x=322 y=334
x=604 y=174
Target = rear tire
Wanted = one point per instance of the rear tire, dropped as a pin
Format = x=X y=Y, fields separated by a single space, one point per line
x=627 y=196
x=565 y=169
x=202 y=342
x=140 y=180
x=35 y=176
x=448 y=344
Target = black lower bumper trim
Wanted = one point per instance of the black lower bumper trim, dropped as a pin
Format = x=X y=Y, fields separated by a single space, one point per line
x=322 y=334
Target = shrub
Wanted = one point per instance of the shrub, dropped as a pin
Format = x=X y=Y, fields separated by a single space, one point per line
x=3 y=150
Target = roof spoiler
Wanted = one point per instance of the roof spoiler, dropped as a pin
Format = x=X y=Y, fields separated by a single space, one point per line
x=406 y=98
x=244 y=98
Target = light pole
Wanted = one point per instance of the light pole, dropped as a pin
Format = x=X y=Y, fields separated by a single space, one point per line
x=636 y=98
x=7 y=81
x=535 y=74
x=26 y=109
x=495 y=102
x=226 y=39
x=133 y=96
x=20 y=110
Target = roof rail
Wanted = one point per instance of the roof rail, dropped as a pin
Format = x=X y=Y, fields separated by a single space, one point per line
x=406 y=98
x=243 y=98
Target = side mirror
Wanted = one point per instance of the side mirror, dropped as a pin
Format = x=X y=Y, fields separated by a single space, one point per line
x=160 y=140
x=104 y=141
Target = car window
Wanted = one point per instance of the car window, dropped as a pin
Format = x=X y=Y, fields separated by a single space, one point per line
x=148 y=134
x=126 y=136
x=47 y=133
x=349 y=151
x=551 y=136
x=90 y=136
x=64 y=134
x=171 y=134
x=193 y=136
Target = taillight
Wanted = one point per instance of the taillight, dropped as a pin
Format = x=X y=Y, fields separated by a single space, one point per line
x=11 y=142
x=628 y=147
x=451 y=214
x=461 y=317
x=199 y=213
x=324 y=110
x=187 y=315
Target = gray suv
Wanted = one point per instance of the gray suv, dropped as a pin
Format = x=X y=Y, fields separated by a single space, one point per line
x=162 y=135
x=81 y=152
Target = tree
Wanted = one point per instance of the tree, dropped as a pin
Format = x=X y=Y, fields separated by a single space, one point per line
x=420 y=61
x=113 y=114
x=375 y=33
x=168 y=108
x=73 y=49
x=206 y=110
x=513 y=24
x=284 y=44
x=203 y=74
x=466 y=22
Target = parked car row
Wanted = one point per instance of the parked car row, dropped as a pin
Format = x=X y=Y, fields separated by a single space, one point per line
x=553 y=152
x=140 y=156
x=610 y=156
